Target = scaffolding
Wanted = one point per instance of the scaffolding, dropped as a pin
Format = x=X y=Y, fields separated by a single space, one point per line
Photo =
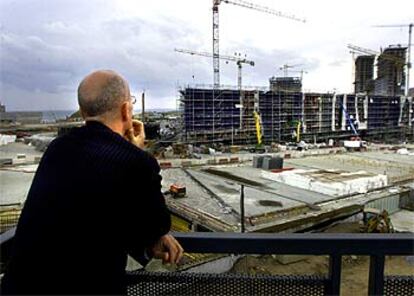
x=316 y=116
x=220 y=119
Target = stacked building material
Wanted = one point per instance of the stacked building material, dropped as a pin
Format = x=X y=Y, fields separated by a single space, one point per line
x=330 y=182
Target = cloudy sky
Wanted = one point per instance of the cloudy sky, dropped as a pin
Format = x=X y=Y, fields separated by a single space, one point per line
x=47 y=46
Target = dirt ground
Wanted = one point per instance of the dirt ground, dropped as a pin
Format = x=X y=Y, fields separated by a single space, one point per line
x=354 y=268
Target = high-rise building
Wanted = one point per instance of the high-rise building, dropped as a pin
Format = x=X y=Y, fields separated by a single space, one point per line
x=364 y=73
x=390 y=71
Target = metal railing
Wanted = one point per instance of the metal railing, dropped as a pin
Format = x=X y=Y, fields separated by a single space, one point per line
x=335 y=245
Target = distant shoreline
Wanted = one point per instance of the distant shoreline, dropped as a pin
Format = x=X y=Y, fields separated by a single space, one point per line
x=51 y=116
x=73 y=111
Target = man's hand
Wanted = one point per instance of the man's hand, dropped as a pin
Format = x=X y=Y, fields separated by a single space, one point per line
x=136 y=135
x=168 y=249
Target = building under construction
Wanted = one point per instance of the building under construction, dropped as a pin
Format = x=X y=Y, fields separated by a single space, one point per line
x=227 y=115
x=391 y=78
x=364 y=74
x=376 y=109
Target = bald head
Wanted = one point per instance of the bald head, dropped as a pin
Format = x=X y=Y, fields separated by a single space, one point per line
x=102 y=92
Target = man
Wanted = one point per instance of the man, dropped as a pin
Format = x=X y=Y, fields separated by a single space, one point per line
x=95 y=198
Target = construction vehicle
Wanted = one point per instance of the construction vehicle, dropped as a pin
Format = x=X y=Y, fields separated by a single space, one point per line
x=376 y=221
x=259 y=128
x=299 y=125
x=355 y=143
x=176 y=191
x=296 y=134
x=259 y=147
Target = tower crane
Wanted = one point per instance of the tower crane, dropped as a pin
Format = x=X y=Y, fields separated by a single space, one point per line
x=216 y=40
x=286 y=68
x=408 y=64
x=301 y=73
x=237 y=59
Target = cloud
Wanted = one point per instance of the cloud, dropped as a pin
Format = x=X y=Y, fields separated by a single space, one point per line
x=55 y=56
x=47 y=47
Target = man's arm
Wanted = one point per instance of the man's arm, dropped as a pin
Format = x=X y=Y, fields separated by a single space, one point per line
x=158 y=243
x=168 y=249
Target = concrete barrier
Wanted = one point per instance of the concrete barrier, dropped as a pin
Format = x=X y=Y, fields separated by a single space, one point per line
x=165 y=165
x=234 y=160
x=223 y=160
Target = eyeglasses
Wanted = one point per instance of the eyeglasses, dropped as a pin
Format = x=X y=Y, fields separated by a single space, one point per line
x=133 y=99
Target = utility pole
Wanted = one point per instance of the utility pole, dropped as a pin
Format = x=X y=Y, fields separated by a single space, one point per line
x=143 y=107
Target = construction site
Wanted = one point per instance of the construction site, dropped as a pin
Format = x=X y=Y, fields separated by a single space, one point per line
x=273 y=159
x=328 y=162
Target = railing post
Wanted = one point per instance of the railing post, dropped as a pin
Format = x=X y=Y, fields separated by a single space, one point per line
x=376 y=275
x=242 y=208
x=334 y=275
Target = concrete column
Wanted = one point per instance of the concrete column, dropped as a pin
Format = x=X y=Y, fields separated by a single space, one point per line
x=343 y=123
x=303 y=113
x=320 y=114
x=356 y=110
x=333 y=112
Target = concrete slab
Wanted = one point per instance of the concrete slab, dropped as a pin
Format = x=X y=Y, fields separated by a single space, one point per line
x=396 y=171
x=387 y=156
x=255 y=199
x=198 y=203
x=14 y=186
x=283 y=190
x=403 y=221
x=12 y=149
x=335 y=183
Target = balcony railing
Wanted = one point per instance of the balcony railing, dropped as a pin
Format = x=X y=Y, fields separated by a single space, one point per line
x=335 y=245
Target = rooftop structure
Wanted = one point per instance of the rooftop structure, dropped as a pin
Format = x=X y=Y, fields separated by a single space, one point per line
x=285 y=84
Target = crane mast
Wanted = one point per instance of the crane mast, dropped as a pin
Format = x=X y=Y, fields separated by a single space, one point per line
x=410 y=31
x=216 y=45
x=216 y=50
x=216 y=31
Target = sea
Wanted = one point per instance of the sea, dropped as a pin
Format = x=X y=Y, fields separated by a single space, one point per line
x=50 y=116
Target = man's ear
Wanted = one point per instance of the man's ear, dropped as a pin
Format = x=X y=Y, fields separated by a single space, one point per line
x=125 y=111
